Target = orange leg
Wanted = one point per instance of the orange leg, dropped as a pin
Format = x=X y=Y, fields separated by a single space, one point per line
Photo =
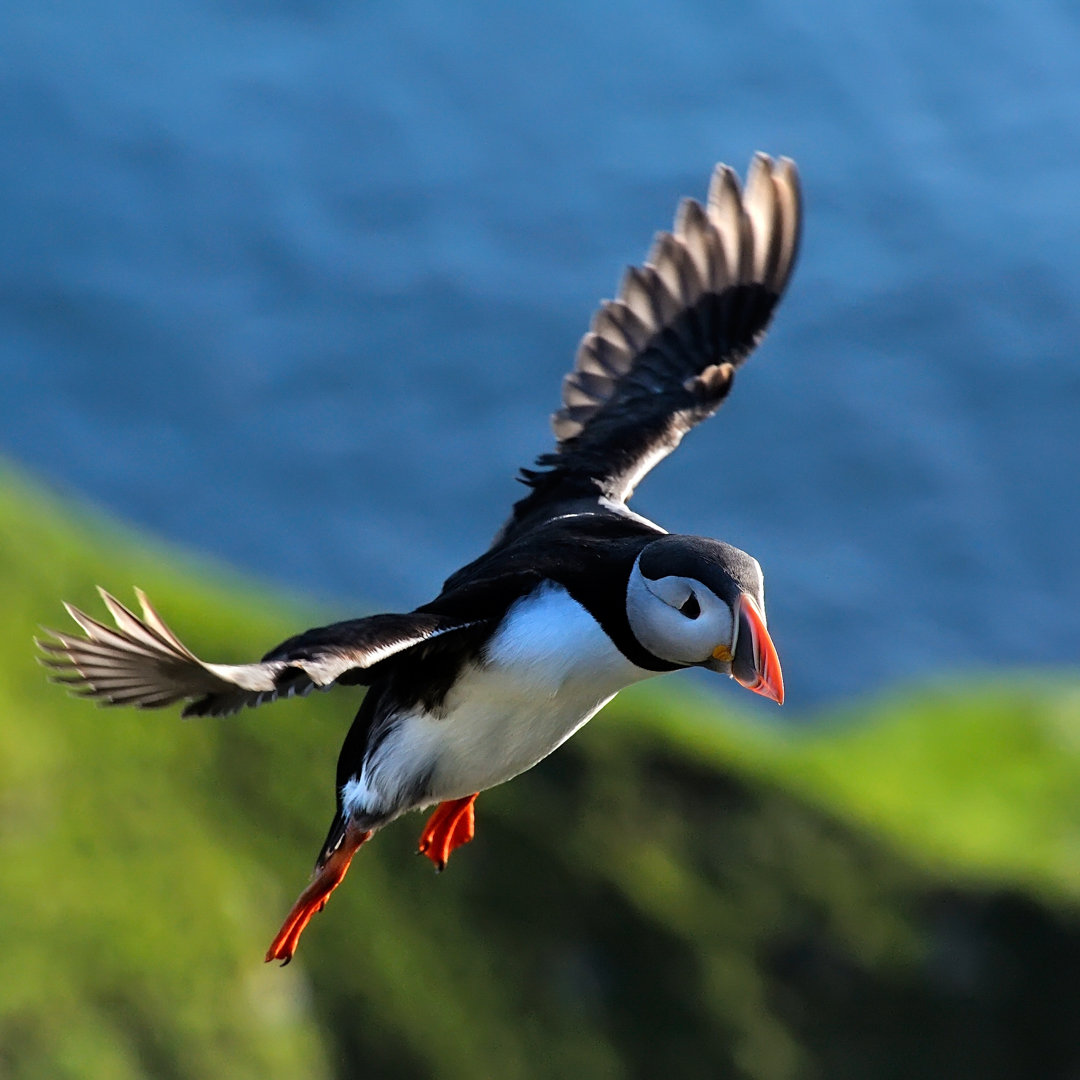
x=452 y=825
x=313 y=899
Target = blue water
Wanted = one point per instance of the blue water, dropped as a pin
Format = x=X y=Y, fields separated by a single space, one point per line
x=295 y=284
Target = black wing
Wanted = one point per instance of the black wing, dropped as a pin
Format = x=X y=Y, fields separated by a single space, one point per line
x=142 y=662
x=660 y=358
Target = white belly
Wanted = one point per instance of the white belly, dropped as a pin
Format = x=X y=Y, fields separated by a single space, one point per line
x=547 y=670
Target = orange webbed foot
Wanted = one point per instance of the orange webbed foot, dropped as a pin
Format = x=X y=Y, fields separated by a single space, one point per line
x=452 y=824
x=313 y=899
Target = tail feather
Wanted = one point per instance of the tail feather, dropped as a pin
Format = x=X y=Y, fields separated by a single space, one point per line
x=334 y=839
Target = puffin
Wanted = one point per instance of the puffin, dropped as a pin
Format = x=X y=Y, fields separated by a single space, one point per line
x=577 y=596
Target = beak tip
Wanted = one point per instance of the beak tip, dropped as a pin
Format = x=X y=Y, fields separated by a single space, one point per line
x=769 y=680
x=774 y=680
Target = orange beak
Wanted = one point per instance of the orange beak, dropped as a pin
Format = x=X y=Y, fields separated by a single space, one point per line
x=756 y=665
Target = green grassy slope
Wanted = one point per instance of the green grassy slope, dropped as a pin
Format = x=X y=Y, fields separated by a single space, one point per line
x=978 y=780
x=674 y=891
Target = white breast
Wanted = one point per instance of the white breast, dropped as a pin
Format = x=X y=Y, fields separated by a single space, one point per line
x=546 y=671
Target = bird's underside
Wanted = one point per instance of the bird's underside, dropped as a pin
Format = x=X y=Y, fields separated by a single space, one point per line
x=657 y=360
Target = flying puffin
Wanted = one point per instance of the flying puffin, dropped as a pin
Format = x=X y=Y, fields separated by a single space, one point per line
x=576 y=598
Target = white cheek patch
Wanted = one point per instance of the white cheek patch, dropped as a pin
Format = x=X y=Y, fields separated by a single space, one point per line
x=652 y=607
x=674 y=591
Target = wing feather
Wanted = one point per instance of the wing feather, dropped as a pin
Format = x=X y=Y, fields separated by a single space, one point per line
x=142 y=662
x=660 y=357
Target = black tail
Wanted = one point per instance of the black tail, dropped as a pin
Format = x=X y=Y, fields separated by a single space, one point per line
x=333 y=840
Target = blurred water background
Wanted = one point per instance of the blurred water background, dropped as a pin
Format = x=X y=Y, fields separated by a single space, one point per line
x=295 y=284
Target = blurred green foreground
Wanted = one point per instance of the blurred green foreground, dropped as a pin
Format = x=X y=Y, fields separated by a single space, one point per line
x=889 y=893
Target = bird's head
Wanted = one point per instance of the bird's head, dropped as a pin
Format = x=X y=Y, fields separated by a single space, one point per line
x=701 y=603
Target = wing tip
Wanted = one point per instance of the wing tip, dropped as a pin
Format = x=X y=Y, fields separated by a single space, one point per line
x=743 y=235
x=117 y=666
x=660 y=357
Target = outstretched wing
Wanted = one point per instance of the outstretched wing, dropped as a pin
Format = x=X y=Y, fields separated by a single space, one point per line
x=660 y=358
x=142 y=662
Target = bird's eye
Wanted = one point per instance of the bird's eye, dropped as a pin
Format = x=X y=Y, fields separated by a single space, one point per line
x=691 y=609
